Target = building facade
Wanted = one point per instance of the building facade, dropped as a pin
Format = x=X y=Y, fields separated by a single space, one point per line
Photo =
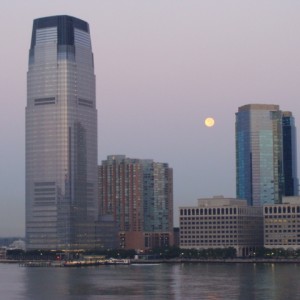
x=291 y=183
x=266 y=162
x=221 y=223
x=282 y=224
x=138 y=193
x=106 y=233
x=61 y=136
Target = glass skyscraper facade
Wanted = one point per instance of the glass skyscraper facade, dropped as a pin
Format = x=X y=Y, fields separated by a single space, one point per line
x=261 y=167
x=289 y=154
x=61 y=136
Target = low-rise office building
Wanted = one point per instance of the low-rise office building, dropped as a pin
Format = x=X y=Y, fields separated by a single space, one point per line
x=282 y=224
x=220 y=222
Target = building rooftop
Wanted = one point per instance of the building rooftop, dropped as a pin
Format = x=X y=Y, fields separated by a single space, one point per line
x=271 y=107
x=217 y=201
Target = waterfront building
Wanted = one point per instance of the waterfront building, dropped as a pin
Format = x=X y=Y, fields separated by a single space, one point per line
x=106 y=233
x=266 y=165
x=61 y=136
x=3 y=252
x=282 y=224
x=176 y=237
x=220 y=222
x=138 y=193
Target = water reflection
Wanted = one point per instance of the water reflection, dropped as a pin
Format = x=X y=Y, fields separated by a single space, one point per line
x=165 y=281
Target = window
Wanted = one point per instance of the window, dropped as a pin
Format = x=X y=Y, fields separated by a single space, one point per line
x=44 y=101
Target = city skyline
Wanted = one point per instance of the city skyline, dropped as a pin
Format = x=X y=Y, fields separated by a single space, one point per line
x=162 y=68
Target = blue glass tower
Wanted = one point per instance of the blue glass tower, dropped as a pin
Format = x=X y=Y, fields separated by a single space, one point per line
x=289 y=154
x=266 y=154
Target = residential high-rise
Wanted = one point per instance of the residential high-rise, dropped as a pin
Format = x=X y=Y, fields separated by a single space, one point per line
x=138 y=193
x=265 y=153
x=61 y=136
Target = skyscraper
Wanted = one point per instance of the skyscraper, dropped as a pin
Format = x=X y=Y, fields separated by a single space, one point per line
x=262 y=169
x=289 y=154
x=138 y=193
x=61 y=135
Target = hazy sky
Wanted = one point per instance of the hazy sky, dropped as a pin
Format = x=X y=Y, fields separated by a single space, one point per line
x=161 y=67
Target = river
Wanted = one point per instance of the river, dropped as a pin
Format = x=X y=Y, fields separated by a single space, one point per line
x=214 y=281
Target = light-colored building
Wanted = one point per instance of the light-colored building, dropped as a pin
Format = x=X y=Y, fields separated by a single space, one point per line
x=282 y=224
x=61 y=136
x=220 y=222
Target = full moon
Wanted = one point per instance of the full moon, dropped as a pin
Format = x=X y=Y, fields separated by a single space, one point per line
x=209 y=122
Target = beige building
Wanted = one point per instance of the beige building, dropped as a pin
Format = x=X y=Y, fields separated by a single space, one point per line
x=282 y=224
x=220 y=222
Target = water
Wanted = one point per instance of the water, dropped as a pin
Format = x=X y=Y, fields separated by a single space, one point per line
x=163 y=281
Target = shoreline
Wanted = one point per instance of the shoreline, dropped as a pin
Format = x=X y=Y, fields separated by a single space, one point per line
x=175 y=261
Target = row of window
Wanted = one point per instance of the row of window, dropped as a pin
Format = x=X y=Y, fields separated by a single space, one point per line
x=209 y=218
x=280 y=226
x=207 y=223
x=280 y=231
x=205 y=232
x=283 y=242
x=282 y=209
x=207 y=211
x=282 y=217
x=210 y=236
x=197 y=242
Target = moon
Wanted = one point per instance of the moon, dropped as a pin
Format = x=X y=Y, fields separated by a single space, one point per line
x=209 y=122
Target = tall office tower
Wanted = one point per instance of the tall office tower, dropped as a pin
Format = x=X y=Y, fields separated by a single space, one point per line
x=262 y=155
x=61 y=136
x=139 y=195
x=289 y=154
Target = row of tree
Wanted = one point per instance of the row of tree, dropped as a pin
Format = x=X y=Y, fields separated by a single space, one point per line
x=159 y=253
x=176 y=252
x=276 y=253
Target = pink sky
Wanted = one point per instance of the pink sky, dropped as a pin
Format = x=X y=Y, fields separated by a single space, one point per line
x=162 y=67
